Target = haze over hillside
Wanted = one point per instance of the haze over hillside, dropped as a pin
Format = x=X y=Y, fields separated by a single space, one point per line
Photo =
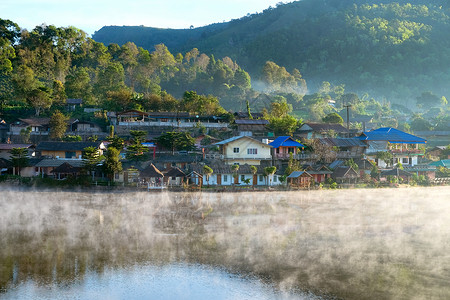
x=389 y=49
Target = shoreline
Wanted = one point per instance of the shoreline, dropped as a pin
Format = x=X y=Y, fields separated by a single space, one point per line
x=7 y=186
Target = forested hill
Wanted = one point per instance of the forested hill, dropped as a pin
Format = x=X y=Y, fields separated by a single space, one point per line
x=391 y=49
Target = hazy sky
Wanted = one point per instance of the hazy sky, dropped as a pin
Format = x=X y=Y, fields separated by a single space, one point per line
x=91 y=15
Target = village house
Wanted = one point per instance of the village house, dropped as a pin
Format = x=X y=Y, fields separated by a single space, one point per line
x=162 y=121
x=5 y=150
x=345 y=174
x=174 y=177
x=319 y=173
x=39 y=128
x=437 y=153
x=321 y=130
x=422 y=170
x=45 y=166
x=224 y=175
x=284 y=146
x=85 y=128
x=68 y=150
x=403 y=146
x=300 y=179
x=72 y=104
x=346 y=147
x=243 y=150
x=250 y=127
x=397 y=173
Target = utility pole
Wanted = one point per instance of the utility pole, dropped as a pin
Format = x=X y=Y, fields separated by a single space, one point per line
x=348 y=118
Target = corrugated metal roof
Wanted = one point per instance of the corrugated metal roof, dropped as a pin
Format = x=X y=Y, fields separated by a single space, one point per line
x=66 y=146
x=325 y=127
x=251 y=122
x=235 y=138
x=391 y=135
x=441 y=163
x=11 y=146
x=297 y=174
x=49 y=162
x=343 y=142
x=285 y=141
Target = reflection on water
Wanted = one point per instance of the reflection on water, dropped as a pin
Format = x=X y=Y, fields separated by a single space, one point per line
x=353 y=244
x=150 y=282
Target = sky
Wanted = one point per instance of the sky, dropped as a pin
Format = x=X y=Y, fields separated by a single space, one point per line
x=91 y=15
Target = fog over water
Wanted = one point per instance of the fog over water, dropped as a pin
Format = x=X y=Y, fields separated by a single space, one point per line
x=349 y=244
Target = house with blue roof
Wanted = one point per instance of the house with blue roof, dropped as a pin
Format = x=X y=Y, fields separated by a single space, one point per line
x=403 y=146
x=283 y=146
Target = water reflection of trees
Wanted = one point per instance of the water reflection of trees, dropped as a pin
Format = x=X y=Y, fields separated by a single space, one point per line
x=348 y=245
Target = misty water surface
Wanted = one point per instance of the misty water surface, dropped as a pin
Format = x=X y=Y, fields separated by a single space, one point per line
x=351 y=244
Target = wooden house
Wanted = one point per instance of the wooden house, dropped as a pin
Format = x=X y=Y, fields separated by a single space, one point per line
x=320 y=173
x=66 y=170
x=396 y=172
x=174 y=176
x=300 y=179
x=345 y=174
x=71 y=150
x=152 y=176
x=322 y=130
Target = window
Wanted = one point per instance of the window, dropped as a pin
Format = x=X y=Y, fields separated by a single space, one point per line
x=261 y=177
x=236 y=150
x=174 y=178
x=70 y=154
x=275 y=178
x=225 y=178
x=116 y=176
x=242 y=177
x=405 y=160
x=252 y=151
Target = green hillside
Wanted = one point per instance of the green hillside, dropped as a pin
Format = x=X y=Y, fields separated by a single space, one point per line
x=389 y=49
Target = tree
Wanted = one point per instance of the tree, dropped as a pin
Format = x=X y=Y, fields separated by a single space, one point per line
x=333 y=118
x=91 y=159
x=39 y=99
x=25 y=134
x=385 y=156
x=176 y=141
x=428 y=99
x=293 y=165
x=269 y=171
x=235 y=169
x=136 y=151
x=112 y=163
x=351 y=163
x=58 y=125
x=116 y=142
x=283 y=125
x=208 y=172
x=19 y=158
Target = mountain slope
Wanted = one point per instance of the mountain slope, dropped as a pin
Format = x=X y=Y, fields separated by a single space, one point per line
x=390 y=49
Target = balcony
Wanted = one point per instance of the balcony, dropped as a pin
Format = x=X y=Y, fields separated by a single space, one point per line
x=407 y=151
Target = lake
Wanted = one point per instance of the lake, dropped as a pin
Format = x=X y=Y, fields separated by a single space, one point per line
x=326 y=244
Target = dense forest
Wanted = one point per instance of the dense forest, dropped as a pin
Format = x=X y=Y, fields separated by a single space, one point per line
x=390 y=49
x=41 y=68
